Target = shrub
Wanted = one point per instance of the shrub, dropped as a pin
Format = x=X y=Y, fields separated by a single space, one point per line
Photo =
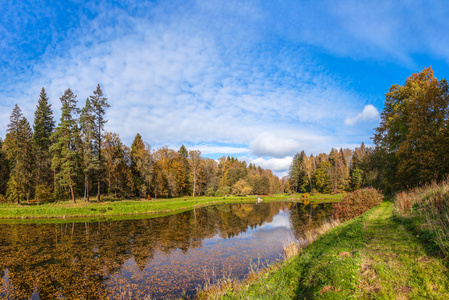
x=305 y=195
x=241 y=188
x=210 y=192
x=356 y=203
x=223 y=191
x=44 y=193
x=3 y=199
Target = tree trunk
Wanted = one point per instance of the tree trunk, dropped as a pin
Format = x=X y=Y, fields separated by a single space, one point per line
x=99 y=187
x=73 y=195
x=310 y=180
x=99 y=161
x=87 y=188
x=194 y=182
x=71 y=188
x=54 y=181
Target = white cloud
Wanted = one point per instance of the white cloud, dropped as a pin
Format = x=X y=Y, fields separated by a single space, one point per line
x=279 y=166
x=176 y=82
x=279 y=143
x=174 y=76
x=268 y=144
x=219 y=149
x=369 y=113
x=280 y=220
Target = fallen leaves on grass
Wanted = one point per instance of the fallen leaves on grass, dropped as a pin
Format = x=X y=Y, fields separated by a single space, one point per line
x=345 y=254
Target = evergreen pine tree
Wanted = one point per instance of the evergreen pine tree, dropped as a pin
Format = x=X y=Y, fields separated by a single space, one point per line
x=194 y=161
x=4 y=169
x=65 y=157
x=141 y=166
x=87 y=137
x=99 y=105
x=183 y=172
x=136 y=149
x=19 y=152
x=43 y=127
x=299 y=181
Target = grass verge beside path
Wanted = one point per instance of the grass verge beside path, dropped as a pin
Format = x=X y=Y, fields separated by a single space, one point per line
x=114 y=207
x=370 y=257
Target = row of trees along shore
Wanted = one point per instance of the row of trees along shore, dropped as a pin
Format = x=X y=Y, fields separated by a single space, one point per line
x=410 y=145
x=78 y=156
x=340 y=170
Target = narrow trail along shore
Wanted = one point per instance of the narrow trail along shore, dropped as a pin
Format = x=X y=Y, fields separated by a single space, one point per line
x=371 y=257
x=394 y=263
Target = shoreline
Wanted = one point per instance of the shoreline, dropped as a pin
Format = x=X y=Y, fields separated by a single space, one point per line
x=114 y=208
x=362 y=258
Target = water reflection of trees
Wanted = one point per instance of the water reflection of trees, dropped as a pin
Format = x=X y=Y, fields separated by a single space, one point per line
x=307 y=217
x=78 y=260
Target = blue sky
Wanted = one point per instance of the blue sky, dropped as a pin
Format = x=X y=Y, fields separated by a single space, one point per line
x=259 y=80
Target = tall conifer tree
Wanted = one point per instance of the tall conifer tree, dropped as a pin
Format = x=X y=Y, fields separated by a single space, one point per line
x=18 y=145
x=141 y=165
x=4 y=169
x=299 y=180
x=89 y=164
x=194 y=161
x=183 y=171
x=43 y=128
x=99 y=105
x=65 y=157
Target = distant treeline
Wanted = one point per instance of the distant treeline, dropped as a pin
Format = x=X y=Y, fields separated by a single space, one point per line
x=411 y=145
x=340 y=170
x=78 y=155
x=78 y=158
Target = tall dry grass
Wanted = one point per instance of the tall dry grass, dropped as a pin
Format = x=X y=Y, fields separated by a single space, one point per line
x=430 y=204
x=216 y=288
x=294 y=248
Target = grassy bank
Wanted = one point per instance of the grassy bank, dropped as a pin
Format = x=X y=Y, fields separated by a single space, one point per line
x=370 y=257
x=425 y=211
x=115 y=207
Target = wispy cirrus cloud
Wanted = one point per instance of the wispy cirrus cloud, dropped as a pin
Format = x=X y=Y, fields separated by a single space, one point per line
x=179 y=81
x=383 y=31
x=234 y=77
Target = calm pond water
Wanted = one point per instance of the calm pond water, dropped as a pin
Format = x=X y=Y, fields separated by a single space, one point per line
x=163 y=257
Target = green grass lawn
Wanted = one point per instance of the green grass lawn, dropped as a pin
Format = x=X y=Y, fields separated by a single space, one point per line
x=115 y=207
x=371 y=257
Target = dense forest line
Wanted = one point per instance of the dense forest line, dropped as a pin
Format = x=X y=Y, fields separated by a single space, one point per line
x=410 y=145
x=78 y=156
x=340 y=170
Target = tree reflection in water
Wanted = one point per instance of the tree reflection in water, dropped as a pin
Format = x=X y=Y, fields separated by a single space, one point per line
x=158 y=257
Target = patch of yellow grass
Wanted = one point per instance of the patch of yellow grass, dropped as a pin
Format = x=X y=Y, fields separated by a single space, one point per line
x=293 y=248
